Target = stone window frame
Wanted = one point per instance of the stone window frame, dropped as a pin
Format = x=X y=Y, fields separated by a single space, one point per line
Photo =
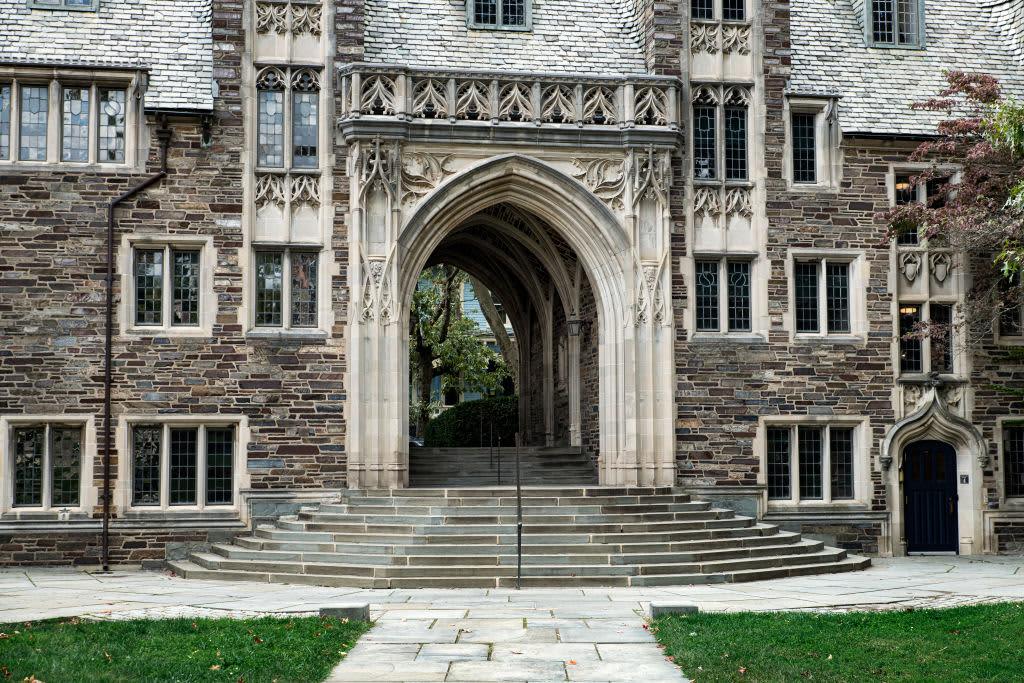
x=87 y=498
x=123 y=493
x=722 y=97
x=1003 y=425
x=55 y=80
x=869 y=27
x=473 y=25
x=862 y=445
x=827 y=137
x=858 y=285
x=88 y=6
x=288 y=74
x=207 y=297
x=758 y=331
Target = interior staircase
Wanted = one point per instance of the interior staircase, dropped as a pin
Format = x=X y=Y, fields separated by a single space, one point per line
x=466 y=537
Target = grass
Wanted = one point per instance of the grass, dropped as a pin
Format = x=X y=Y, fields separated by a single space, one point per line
x=250 y=650
x=978 y=643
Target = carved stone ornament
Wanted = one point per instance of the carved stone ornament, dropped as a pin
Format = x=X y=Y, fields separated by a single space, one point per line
x=271 y=17
x=651 y=107
x=422 y=172
x=652 y=174
x=737 y=202
x=604 y=177
x=952 y=395
x=706 y=202
x=378 y=296
x=377 y=96
x=736 y=39
x=378 y=163
x=271 y=188
x=306 y=19
x=910 y=265
x=704 y=38
x=912 y=395
x=650 y=301
x=940 y=263
x=305 y=189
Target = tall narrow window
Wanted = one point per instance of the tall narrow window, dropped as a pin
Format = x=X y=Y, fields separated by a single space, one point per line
x=147 y=445
x=112 y=109
x=806 y=297
x=837 y=296
x=810 y=462
x=707 y=296
x=735 y=143
x=841 y=456
x=911 y=355
x=733 y=10
x=34 y=111
x=942 y=337
x=185 y=297
x=778 y=469
x=65 y=465
x=1013 y=460
x=269 y=289
x=804 y=162
x=702 y=9
x=29 y=445
x=704 y=150
x=5 y=121
x=739 y=295
x=303 y=295
x=75 y=129
x=184 y=455
x=149 y=283
x=220 y=460
x=906 y=193
x=305 y=119
x=270 y=115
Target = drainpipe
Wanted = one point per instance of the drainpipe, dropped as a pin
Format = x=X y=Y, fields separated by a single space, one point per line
x=163 y=134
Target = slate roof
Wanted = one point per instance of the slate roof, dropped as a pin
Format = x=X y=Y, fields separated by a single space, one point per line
x=879 y=84
x=173 y=39
x=568 y=36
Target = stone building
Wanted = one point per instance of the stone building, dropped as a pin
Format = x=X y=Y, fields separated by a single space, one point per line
x=675 y=203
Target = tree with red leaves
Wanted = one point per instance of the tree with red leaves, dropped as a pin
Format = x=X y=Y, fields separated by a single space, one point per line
x=980 y=213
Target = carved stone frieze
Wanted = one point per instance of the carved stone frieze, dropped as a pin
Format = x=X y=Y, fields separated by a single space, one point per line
x=651 y=107
x=378 y=96
x=650 y=300
x=605 y=177
x=737 y=202
x=706 y=202
x=652 y=174
x=599 y=105
x=557 y=104
x=272 y=188
x=473 y=101
x=736 y=39
x=307 y=19
x=305 y=189
x=429 y=99
x=282 y=17
x=514 y=103
x=271 y=17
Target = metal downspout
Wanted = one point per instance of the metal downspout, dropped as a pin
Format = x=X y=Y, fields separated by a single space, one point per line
x=164 y=136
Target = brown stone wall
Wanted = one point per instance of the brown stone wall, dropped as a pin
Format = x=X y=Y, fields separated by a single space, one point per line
x=1010 y=536
x=589 y=390
x=860 y=539
x=126 y=547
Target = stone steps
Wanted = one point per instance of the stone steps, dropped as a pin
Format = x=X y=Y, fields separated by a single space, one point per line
x=461 y=467
x=572 y=536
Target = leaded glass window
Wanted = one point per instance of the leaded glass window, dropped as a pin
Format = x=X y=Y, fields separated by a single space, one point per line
x=704 y=151
x=837 y=296
x=735 y=143
x=220 y=458
x=34 y=111
x=797 y=458
x=149 y=283
x=304 y=280
x=739 y=295
x=702 y=9
x=778 y=463
x=942 y=337
x=707 y=296
x=287 y=301
x=804 y=154
x=5 y=121
x=270 y=119
x=305 y=119
x=911 y=354
x=895 y=22
x=184 y=455
x=64 y=4
x=906 y=193
x=47 y=465
x=75 y=125
x=806 y=297
x=507 y=14
x=183 y=465
x=733 y=10
x=185 y=298
x=1012 y=306
x=1013 y=460
x=269 y=289
x=112 y=110
x=147 y=446
x=29 y=452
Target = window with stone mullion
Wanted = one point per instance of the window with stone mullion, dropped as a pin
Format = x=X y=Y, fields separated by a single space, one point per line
x=154 y=279
x=287 y=118
x=1013 y=461
x=735 y=143
x=715 y=303
x=797 y=458
x=287 y=288
x=704 y=145
x=182 y=465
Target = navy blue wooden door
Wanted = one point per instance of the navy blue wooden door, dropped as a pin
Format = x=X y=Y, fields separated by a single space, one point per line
x=929 y=490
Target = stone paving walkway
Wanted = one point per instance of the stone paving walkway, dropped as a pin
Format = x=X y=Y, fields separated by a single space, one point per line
x=506 y=635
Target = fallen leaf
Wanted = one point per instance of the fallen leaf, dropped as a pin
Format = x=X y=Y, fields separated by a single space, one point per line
x=670 y=659
x=214 y=667
x=517 y=652
x=743 y=670
x=829 y=657
x=257 y=639
x=108 y=657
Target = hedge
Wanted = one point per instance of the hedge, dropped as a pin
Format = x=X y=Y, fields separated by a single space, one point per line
x=459 y=426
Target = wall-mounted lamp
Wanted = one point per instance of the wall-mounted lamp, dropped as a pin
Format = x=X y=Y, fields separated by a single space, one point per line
x=575 y=326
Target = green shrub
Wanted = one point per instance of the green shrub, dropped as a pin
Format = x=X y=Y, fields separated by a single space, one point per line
x=459 y=426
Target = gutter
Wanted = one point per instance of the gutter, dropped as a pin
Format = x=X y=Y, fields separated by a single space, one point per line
x=164 y=136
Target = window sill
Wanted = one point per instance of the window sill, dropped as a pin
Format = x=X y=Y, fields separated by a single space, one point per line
x=727 y=338
x=27 y=514
x=811 y=188
x=927 y=378
x=775 y=506
x=805 y=338
x=173 y=332
x=311 y=335
x=64 y=166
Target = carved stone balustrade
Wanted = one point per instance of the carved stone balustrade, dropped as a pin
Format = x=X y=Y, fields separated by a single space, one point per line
x=419 y=103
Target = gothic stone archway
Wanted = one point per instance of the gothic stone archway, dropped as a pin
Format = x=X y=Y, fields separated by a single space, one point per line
x=394 y=234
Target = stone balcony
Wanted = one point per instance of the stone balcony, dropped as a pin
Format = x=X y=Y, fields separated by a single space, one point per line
x=424 y=105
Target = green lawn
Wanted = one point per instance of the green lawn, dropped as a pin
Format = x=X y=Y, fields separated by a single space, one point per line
x=250 y=650
x=979 y=643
